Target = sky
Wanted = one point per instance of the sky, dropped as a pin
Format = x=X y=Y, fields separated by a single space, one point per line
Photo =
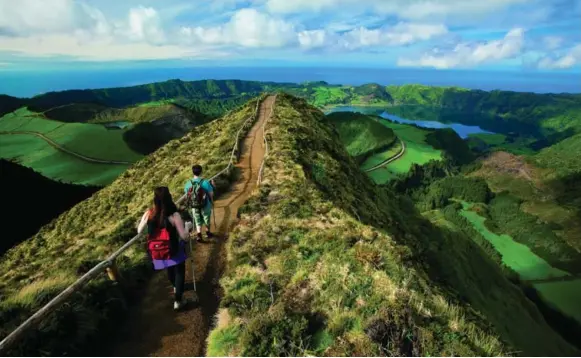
x=513 y=35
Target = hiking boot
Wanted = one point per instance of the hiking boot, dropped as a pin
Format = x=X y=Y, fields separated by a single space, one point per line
x=209 y=235
x=179 y=304
x=199 y=237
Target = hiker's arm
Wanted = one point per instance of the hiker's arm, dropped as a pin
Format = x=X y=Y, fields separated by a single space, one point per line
x=179 y=225
x=143 y=222
x=210 y=190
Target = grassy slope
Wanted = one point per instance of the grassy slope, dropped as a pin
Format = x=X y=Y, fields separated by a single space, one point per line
x=85 y=139
x=324 y=262
x=553 y=191
x=145 y=112
x=417 y=152
x=362 y=135
x=563 y=158
x=37 y=269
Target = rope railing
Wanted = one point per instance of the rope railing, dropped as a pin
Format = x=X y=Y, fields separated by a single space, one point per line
x=266 y=151
x=109 y=263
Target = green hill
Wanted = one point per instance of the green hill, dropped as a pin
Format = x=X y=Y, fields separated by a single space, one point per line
x=546 y=117
x=128 y=96
x=56 y=149
x=40 y=267
x=563 y=158
x=324 y=262
x=362 y=135
x=358 y=266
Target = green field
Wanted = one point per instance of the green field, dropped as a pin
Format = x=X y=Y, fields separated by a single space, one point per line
x=90 y=140
x=417 y=152
x=156 y=103
x=362 y=135
x=565 y=295
x=324 y=95
x=515 y=255
x=382 y=157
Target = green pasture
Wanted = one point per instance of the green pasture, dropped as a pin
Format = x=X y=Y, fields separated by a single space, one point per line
x=565 y=295
x=35 y=153
x=417 y=152
x=325 y=95
x=515 y=255
x=91 y=140
x=156 y=103
x=382 y=157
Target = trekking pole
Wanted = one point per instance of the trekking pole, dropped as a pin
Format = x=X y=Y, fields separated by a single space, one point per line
x=214 y=216
x=193 y=268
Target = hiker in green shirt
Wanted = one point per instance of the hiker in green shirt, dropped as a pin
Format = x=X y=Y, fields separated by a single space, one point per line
x=200 y=197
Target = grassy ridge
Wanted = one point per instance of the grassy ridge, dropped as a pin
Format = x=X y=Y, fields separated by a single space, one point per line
x=84 y=139
x=326 y=263
x=37 y=269
x=362 y=135
x=160 y=91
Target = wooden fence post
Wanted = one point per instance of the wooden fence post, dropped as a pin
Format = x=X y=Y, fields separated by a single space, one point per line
x=113 y=272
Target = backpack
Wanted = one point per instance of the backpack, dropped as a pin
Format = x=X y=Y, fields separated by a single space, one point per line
x=159 y=244
x=197 y=196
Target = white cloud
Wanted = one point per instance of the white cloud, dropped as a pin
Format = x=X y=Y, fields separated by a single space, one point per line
x=568 y=60
x=314 y=39
x=144 y=24
x=400 y=34
x=296 y=6
x=105 y=49
x=405 y=9
x=553 y=42
x=252 y=29
x=246 y=28
x=29 y=17
x=469 y=55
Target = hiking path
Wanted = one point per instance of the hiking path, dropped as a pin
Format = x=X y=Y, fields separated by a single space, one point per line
x=152 y=327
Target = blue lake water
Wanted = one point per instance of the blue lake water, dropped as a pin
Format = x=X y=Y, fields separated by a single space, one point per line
x=463 y=130
x=118 y=124
x=26 y=83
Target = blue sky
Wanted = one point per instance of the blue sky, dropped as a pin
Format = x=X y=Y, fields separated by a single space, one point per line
x=516 y=35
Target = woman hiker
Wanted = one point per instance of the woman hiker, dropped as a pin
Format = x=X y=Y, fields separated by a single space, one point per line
x=165 y=228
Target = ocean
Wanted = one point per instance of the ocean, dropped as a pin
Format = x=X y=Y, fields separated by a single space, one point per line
x=22 y=83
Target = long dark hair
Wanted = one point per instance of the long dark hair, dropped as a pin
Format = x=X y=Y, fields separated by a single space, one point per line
x=163 y=206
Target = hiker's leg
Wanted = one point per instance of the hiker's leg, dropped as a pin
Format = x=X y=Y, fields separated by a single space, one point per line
x=171 y=275
x=207 y=215
x=198 y=221
x=180 y=278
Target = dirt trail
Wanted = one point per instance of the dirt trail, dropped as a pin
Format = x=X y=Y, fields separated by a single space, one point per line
x=153 y=328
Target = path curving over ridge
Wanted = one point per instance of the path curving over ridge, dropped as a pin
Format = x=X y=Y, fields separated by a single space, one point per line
x=57 y=146
x=153 y=328
x=390 y=160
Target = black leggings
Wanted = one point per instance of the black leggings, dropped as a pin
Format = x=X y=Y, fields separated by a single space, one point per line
x=177 y=277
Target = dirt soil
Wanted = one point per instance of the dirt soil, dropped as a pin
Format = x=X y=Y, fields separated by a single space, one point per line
x=152 y=327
